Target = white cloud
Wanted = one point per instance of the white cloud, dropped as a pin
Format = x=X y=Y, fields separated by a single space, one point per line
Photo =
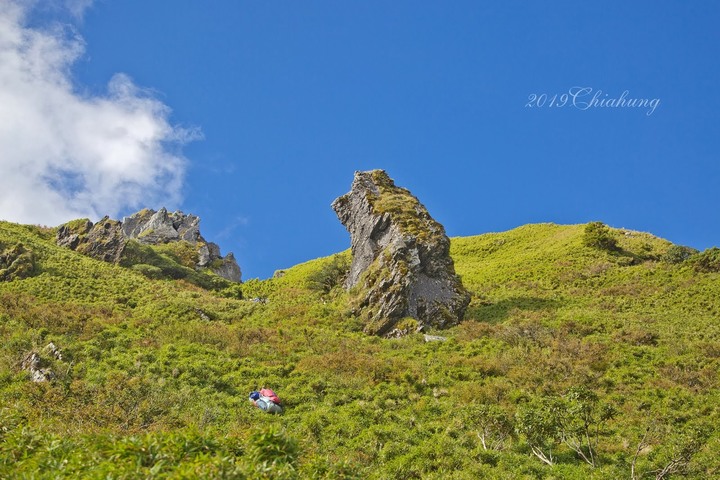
x=64 y=154
x=78 y=7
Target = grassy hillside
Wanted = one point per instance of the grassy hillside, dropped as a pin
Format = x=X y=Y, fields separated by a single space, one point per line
x=572 y=362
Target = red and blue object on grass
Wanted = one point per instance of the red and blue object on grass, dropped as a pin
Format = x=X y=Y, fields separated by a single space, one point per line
x=266 y=400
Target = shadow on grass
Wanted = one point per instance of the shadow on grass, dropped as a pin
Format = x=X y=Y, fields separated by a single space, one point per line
x=628 y=258
x=500 y=311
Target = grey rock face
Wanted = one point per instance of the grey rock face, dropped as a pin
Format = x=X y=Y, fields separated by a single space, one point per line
x=151 y=227
x=107 y=239
x=158 y=228
x=39 y=366
x=103 y=240
x=68 y=235
x=32 y=363
x=208 y=252
x=401 y=257
x=228 y=268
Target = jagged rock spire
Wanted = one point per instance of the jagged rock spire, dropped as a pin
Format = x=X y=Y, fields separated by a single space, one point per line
x=401 y=263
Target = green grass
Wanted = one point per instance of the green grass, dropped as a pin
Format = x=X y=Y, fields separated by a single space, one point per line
x=155 y=372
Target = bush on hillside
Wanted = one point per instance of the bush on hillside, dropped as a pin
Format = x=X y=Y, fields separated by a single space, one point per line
x=678 y=254
x=708 y=261
x=598 y=235
x=331 y=274
x=16 y=262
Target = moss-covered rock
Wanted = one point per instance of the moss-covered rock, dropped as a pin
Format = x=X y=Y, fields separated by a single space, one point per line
x=174 y=235
x=103 y=240
x=401 y=263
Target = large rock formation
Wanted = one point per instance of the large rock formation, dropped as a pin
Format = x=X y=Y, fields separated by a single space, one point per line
x=401 y=263
x=151 y=227
x=103 y=240
x=106 y=240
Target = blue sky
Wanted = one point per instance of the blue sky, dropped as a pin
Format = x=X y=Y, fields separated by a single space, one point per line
x=265 y=109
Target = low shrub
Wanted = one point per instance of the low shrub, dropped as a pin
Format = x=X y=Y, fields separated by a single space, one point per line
x=678 y=254
x=598 y=235
x=708 y=261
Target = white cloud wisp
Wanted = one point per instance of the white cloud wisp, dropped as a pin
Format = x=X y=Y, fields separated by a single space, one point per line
x=66 y=155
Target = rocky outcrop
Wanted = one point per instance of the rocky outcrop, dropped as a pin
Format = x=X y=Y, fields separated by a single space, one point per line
x=227 y=267
x=151 y=227
x=39 y=366
x=33 y=364
x=103 y=240
x=72 y=234
x=401 y=264
x=107 y=239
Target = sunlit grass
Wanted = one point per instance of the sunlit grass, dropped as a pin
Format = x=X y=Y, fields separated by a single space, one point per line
x=155 y=373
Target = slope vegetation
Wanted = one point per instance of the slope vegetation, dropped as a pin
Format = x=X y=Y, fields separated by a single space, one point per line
x=572 y=362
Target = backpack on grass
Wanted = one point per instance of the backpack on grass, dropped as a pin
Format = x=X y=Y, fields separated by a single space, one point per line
x=266 y=392
x=266 y=403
